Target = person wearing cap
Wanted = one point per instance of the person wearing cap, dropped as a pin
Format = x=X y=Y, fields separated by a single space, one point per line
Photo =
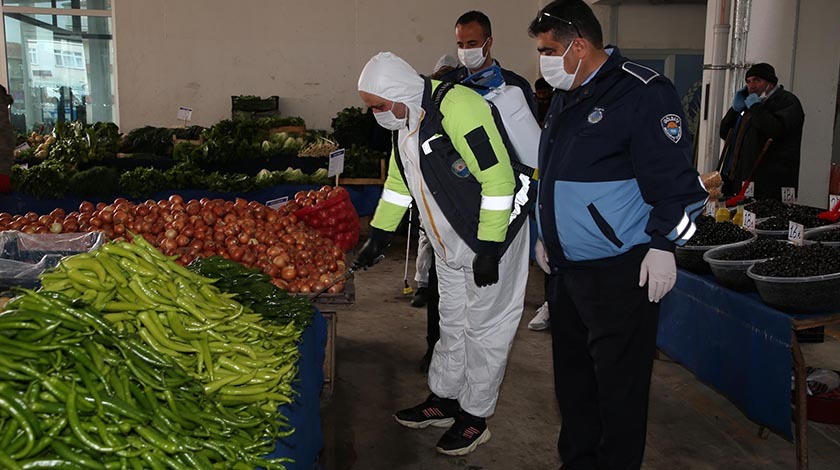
x=617 y=193
x=449 y=156
x=444 y=65
x=762 y=110
x=474 y=37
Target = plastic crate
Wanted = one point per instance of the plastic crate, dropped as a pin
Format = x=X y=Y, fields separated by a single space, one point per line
x=23 y=257
x=254 y=105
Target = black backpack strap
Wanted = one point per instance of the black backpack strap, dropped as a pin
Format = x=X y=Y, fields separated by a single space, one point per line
x=396 y=147
x=439 y=93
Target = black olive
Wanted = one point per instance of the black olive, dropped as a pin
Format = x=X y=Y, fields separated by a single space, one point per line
x=802 y=261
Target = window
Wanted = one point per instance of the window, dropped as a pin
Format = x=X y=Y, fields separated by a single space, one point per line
x=60 y=60
x=70 y=59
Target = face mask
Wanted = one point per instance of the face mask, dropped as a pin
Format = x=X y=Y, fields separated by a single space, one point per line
x=389 y=121
x=555 y=73
x=473 y=58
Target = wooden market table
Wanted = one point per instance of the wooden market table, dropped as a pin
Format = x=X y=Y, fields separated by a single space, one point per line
x=743 y=349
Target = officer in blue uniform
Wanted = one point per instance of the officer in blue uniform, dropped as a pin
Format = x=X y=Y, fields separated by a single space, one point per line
x=617 y=193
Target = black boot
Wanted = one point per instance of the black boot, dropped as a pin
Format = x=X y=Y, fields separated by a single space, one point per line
x=421 y=297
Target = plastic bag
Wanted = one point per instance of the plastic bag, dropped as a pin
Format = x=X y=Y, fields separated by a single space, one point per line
x=822 y=381
x=335 y=219
x=24 y=256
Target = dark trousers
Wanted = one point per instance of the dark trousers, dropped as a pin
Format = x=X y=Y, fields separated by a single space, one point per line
x=603 y=331
x=432 y=309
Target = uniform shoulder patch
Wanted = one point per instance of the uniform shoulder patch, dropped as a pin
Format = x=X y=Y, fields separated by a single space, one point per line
x=672 y=127
x=645 y=74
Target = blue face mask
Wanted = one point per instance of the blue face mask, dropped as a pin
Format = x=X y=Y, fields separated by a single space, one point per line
x=486 y=80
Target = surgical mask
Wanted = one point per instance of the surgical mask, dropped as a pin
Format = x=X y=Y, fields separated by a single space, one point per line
x=555 y=73
x=389 y=121
x=473 y=58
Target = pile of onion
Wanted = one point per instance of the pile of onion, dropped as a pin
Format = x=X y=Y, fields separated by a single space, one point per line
x=275 y=241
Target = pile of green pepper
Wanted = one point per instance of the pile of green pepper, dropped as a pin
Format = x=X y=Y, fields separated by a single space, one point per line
x=126 y=359
x=255 y=290
x=75 y=392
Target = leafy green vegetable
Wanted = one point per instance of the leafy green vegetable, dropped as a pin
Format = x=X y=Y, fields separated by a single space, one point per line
x=96 y=181
x=352 y=126
x=46 y=180
x=141 y=182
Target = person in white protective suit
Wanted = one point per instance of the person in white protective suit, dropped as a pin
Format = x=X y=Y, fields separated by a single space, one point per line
x=449 y=156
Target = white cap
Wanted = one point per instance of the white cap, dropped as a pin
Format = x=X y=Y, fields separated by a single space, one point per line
x=446 y=60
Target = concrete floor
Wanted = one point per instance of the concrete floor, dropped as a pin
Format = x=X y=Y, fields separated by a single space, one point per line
x=381 y=339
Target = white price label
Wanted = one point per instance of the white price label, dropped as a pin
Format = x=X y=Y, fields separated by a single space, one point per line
x=749 y=221
x=833 y=199
x=277 y=203
x=789 y=195
x=796 y=233
x=711 y=207
x=336 y=163
x=184 y=113
x=750 y=192
x=22 y=147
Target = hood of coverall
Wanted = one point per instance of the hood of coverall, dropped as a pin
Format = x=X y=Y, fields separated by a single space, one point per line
x=388 y=76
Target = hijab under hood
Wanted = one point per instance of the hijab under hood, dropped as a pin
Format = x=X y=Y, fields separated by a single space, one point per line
x=388 y=76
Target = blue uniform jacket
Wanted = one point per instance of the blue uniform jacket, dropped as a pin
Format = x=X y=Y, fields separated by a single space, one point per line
x=615 y=168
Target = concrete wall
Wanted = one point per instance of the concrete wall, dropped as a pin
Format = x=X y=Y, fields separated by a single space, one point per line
x=815 y=82
x=199 y=53
x=661 y=26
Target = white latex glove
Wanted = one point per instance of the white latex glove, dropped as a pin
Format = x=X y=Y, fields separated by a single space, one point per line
x=542 y=256
x=659 y=271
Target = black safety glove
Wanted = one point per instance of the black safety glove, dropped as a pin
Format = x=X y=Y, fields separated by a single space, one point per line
x=486 y=263
x=373 y=248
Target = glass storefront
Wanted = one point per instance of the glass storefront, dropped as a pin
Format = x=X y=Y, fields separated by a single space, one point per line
x=60 y=66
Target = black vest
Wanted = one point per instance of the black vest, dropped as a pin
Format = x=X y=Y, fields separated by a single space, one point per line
x=455 y=189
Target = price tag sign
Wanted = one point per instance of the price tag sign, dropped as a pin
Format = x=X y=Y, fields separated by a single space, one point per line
x=750 y=189
x=336 y=163
x=22 y=147
x=711 y=207
x=796 y=233
x=184 y=113
x=832 y=200
x=277 y=203
x=749 y=221
x=789 y=195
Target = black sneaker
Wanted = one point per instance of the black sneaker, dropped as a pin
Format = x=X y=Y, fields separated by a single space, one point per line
x=421 y=297
x=435 y=411
x=464 y=436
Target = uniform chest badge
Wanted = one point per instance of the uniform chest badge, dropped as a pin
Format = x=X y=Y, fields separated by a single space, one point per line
x=459 y=168
x=595 y=116
x=672 y=127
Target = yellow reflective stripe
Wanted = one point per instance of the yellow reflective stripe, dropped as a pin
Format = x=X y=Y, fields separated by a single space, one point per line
x=402 y=200
x=496 y=203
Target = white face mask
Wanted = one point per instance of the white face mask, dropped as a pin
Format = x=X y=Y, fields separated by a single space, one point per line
x=473 y=58
x=389 y=121
x=554 y=72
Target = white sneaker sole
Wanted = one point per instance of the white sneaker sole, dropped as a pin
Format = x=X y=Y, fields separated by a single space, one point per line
x=484 y=437
x=438 y=423
x=538 y=326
